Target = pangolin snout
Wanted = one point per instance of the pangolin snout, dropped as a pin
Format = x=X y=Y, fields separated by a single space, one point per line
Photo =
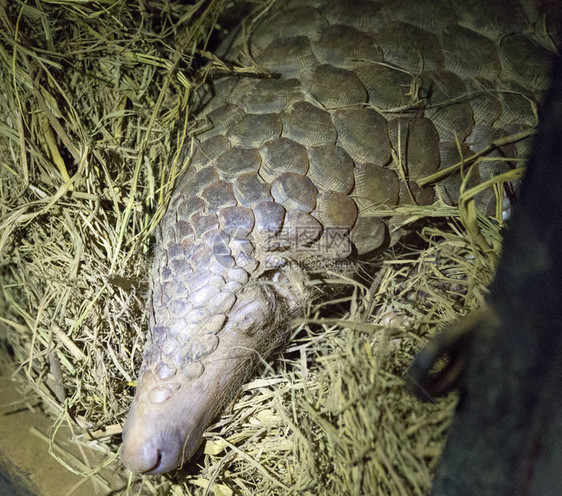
x=152 y=446
x=151 y=455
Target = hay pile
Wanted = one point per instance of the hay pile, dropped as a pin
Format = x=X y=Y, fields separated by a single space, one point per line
x=95 y=108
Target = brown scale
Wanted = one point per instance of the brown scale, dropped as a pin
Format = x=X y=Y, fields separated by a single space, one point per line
x=288 y=56
x=416 y=142
x=388 y=87
x=308 y=125
x=268 y=95
x=469 y=54
x=236 y=161
x=294 y=191
x=331 y=168
x=346 y=47
x=282 y=155
x=249 y=190
x=363 y=133
x=253 y=130
x=411 y=48
x=269 y=217
x=332 y=87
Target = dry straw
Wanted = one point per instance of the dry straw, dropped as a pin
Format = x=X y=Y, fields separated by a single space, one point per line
x=95 y=107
